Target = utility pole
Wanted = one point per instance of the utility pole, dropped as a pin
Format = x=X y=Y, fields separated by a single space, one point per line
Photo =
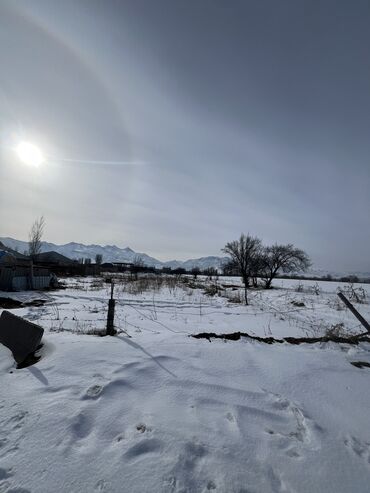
x=110 y=318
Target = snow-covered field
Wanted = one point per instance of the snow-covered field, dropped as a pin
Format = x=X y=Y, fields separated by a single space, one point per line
x=153 y=410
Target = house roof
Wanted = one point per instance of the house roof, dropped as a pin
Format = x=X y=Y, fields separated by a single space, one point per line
x=16 y=254
x=53 y=258
x=6 y=257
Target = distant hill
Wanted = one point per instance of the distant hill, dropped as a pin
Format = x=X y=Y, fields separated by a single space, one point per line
x=112 y=253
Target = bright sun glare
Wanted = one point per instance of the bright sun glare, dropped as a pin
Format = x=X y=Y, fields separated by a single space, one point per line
x=29 y=154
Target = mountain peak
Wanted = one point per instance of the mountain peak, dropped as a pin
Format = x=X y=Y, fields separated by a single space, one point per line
x=128 y=249
x=112 y=253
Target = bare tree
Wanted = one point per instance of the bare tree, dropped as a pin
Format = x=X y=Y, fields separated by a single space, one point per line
x=35 y=236
x=257 y=265
x=98 y=258
x=243 y=253
x=195 y=271
x=230 y=268
x=285 y=258
x=137 y=266
x=210 y=272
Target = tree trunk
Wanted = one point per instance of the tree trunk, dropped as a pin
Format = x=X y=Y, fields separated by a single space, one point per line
x=246 y=294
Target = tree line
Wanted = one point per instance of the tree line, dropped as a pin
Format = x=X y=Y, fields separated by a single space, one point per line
x=250 y=259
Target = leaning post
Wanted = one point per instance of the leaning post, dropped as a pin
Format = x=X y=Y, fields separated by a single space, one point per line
x=110 y=318
x=359 y=317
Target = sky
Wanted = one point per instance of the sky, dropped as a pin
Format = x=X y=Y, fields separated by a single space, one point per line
x=172 y=126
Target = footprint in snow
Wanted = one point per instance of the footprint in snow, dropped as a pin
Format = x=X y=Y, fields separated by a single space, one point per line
x=276 y=482
x=93 y=392
x=211 y=485
x=141 y=428
x=101 y=485
x=299 y=431
x=3 y=442
x=143 y=448
x=16 y=421
x=81 y=425
x=5 y=473
x=360 y=448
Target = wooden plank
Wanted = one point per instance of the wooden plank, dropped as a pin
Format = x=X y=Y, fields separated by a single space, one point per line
x=19 y=335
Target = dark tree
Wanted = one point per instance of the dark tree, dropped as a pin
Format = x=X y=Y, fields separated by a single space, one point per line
x=98 y=258
x=210 y=272
x=179 y=271
x=137 y=266
x=195 y=271
x=243 y=253
x=257 y=266
x=284 y=258
x=35 y=236
x=230 y=269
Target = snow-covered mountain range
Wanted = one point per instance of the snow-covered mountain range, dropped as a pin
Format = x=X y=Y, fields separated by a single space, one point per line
x=112 y=253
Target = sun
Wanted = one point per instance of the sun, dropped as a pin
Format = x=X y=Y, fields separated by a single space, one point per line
x=29 y=154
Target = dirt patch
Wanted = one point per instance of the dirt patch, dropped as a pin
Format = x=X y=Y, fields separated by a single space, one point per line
x=297 y=303
x=11 y=304
x=35 y=303
x=236 y=336
x=360 y=364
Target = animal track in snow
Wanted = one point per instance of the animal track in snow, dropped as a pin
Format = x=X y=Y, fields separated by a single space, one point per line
x=5 y=474
x=144 y=447
x=211 y=485
x=16 y=421
x=360 y=448
x=299 y=433
x=10 y=433
x=94 y=391
x=187 y=474
x=82 y=425
x=276 y=482
x=141 y=428
x=101 y=485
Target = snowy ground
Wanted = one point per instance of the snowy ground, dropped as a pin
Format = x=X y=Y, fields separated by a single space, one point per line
x=153 y=410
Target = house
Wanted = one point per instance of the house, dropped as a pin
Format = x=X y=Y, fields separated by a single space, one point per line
x=64 y=266
x=18 y=273
x=52 y=259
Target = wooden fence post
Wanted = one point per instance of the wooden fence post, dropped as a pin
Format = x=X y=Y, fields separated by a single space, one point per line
x=359 y=317
x=110 y=318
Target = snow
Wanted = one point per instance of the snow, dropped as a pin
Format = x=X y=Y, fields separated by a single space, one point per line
x=6 y=359
x=162 y=412
x=112 y=253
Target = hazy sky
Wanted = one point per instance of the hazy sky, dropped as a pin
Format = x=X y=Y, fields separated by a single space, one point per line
x=226 y=116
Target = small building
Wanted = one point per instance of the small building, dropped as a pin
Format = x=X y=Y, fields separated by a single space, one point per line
x=63 y=266
x=116 y=266
x=17 y=272
x=52 y=259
